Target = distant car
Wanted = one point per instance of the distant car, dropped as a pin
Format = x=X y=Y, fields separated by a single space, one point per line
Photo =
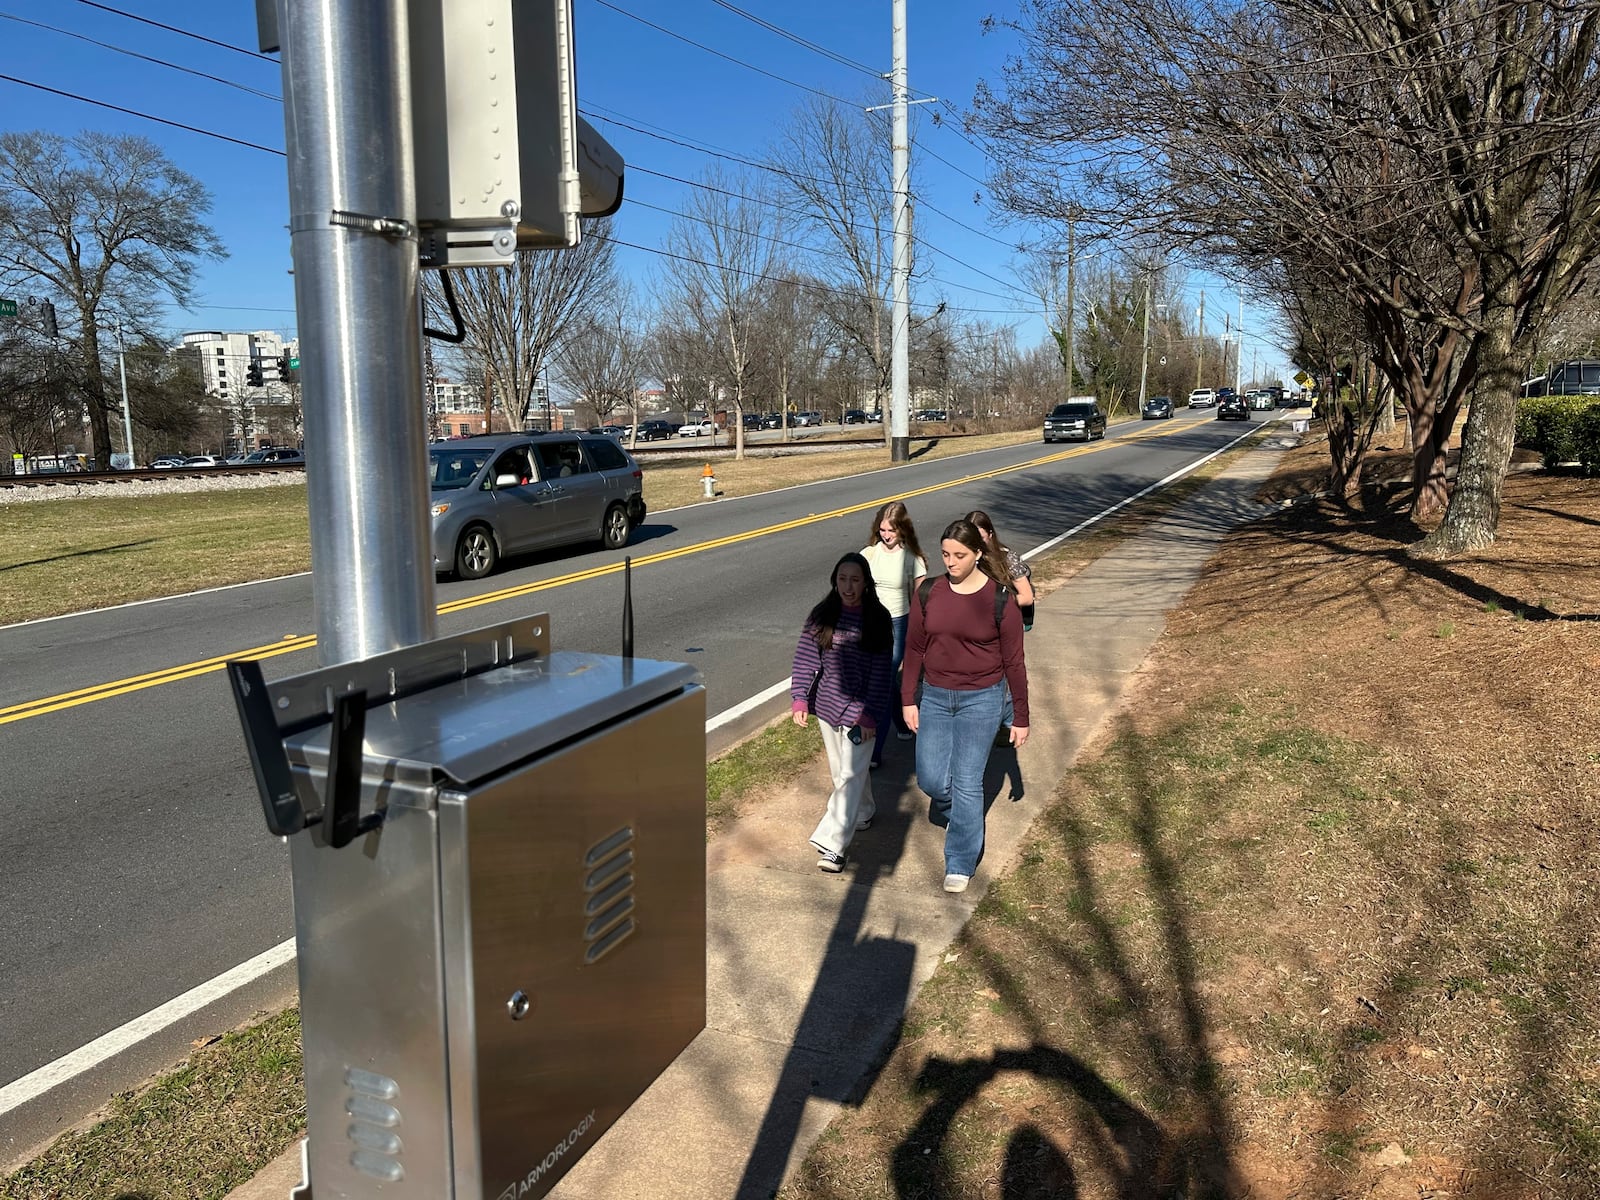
x=510 y=493
x=809 y=417
x=1262 y=399
x=855 y=416
x=772 y=421
x=656 y=431
x=168 y=463
x=1203 y=398
x=1076 y=420
x=933 y=415
x=616 y=431
x=1233 y=408
x=204 y=460
x=1156 y=408
x=697 y=429
x=751 y=421
x=276 y=454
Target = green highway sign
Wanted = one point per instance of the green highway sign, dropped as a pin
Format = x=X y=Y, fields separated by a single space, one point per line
x=8 y=308
x=294 y=364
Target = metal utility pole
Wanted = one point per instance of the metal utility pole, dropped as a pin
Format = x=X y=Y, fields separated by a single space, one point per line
x=1144 y=354
x=1200 y=357
x=127 y=418
x=1238 y=360
x=900 y=331
x=353 y=235
x=1071 y=252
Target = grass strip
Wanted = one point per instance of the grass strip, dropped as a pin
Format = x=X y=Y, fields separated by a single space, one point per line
x=196 y=1133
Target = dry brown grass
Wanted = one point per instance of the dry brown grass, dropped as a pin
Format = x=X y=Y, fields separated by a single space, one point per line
x=1316 y=917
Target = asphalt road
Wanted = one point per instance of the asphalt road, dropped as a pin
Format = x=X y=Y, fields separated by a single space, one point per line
x=135 y=858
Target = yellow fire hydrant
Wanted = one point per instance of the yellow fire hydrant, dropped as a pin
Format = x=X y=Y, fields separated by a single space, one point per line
x=708 y=481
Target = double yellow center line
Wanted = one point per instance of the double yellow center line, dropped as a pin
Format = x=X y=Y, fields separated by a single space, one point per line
x=305 y=641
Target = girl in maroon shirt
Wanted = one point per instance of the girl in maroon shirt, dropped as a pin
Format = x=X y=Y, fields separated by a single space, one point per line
x=965 y=648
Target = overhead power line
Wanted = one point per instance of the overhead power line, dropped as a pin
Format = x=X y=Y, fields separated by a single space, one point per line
x=160 y=62
x=188 y=33
x=738 y=62
x=834 y=55
x=133 y=112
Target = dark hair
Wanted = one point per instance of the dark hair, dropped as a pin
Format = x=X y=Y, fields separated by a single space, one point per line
x=895 y=513
x=989 y=560
x=986 y=527
x=877 y=629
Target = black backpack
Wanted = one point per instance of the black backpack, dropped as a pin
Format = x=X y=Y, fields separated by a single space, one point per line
x=1001 y=594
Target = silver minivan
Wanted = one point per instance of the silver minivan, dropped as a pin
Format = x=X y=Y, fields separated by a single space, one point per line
x=514 y=493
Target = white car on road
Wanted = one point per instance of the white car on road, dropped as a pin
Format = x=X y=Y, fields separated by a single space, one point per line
x=697 y=429
x=1203 y=398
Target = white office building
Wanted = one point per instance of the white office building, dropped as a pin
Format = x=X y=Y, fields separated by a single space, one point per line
x=244 y=371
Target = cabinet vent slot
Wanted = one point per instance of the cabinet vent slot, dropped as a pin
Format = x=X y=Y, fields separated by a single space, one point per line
x=609 y=884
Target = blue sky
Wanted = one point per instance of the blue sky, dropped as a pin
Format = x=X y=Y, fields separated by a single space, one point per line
x=626 y=70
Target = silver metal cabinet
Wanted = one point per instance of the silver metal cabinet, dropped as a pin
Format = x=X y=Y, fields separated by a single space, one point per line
x=514 y=948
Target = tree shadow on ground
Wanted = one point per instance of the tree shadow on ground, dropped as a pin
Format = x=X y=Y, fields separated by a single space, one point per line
x=1139 y=1014
x=39 y=562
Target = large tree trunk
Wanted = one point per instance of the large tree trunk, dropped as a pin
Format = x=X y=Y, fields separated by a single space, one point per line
x=1474 y=510
x=94 y=392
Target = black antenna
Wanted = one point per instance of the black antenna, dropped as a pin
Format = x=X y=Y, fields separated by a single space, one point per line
x=627 y=609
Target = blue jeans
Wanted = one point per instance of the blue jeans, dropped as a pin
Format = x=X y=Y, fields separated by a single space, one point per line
x=954 y=736
x=892 y=717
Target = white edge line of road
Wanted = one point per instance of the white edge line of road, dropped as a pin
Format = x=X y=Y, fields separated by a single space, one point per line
x=36 y=1083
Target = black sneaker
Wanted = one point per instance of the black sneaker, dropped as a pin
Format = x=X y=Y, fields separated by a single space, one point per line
x=831 y=863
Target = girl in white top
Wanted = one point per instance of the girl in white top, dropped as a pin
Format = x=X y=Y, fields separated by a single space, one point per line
x=897 y=568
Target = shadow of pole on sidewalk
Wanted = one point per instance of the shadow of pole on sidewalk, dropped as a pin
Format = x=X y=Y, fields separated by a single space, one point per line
x=858 y=999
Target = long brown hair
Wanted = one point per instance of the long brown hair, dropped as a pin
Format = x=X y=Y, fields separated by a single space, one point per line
x=877 y=631
x=895 y=513
x=990 y=561
x=986 y=527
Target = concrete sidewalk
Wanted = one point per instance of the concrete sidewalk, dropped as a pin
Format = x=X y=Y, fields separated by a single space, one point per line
x=810 y=974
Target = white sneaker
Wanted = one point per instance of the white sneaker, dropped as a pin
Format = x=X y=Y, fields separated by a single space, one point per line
x=956 y=883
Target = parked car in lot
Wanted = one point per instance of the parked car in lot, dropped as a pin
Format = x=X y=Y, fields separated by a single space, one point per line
x=772 y=421
x=1079 y=419
x=697 y=429
x=932 y=415
x=809 y=417
x=512 y=493
x=855 y=416
x=204 y=460
x=1156 y=408
x=169 y=462
x=1233 y=408
x=750 y=421
x=275 y=454
x=656 y=431
x=1203 y=398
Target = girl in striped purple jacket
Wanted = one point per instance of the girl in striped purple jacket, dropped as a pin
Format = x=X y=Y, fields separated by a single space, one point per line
x=842 y=673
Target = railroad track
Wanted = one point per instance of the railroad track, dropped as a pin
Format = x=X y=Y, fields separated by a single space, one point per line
x=81 y=478
x=678 y=448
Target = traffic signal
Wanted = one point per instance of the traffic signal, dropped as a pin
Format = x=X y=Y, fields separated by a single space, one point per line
x=283 y=366
x=252 y=373
x=47 y=317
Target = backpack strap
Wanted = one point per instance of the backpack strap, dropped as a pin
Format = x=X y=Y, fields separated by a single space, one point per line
x=1001 y=594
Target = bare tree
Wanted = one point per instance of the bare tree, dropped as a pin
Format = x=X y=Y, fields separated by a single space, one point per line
x=836 y=170
x=516 y=315
x=721 y=254
x=603 y=360
x=107 y=224
x=1441 y=160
